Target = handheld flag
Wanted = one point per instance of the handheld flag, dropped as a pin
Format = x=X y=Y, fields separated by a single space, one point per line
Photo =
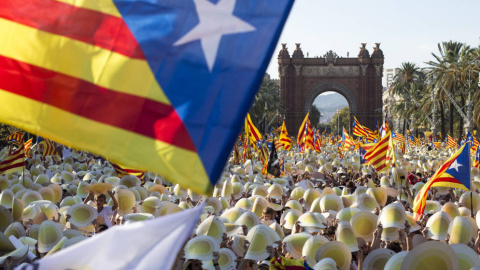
x=155 y=85
x=28 y=148
x=377 y=155
x=451 y=143
x=454 y=173
x=347 y=142
x=15 y=161
x=16 y=138
x=358 y=129
x=122 y=171
x=285 y=140
x=476 y=162
x=48 y=148
x=251 y=130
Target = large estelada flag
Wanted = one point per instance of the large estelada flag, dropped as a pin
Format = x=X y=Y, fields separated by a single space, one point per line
x=454 y=173
x=154 y=85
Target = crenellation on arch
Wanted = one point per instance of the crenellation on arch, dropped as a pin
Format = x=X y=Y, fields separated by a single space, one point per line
x=358 y=79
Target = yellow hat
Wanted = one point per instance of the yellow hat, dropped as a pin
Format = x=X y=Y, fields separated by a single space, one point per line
x=6 y=198
x=451 y=209
x=226 y=260
x=212 y=227
x=290 y=216
x=15 y=257
x=130 y=181
x=311 y=246
x=31 y=196
x=215 y=203
x=315 y=206
x=238 y=244
x=260 y=190
x=331 y=202
x=460 y=231
x=346 y=213
x=150 y=205
x=67 y=176
x=33 y=231
x=364 y=224
x=233 y=214
x=244 y=204
x=414 y=226
x=248 y=219
x=82 y=215
x=338 y=251
x=366 y=202
x=380 y=195
x=275 y=191
x=310 y=195
x=378 y=258
x=432 y=207
x=16 y=229
x=259 y=205
x=167 y=208
x=237 y=190
x=126 y=201
x=17 y=209
x=297 y=193
x=49 y=234
x=326 y=264
x=431 y=255
x=259 y=241
x=466 y=202
x=5 y=218
x=390 y=234
x=395 y=262
x=393 y=215
x=200 y=248
x=466 y=256
x=344 y=233
x=438 y=225
x=294 y=204
x=99 y=188
x=227 y=189
x=311 y=222
x=70 y=233
x=294 y=244
x=272 y=234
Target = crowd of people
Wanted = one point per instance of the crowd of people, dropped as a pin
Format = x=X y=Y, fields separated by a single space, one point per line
x=326 y=211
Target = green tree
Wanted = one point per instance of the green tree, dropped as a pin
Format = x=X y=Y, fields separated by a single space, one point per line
x=344 y=120
x=315 y=115
x=268 y=95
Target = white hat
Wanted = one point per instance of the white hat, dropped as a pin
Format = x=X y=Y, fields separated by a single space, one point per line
x=200 y=248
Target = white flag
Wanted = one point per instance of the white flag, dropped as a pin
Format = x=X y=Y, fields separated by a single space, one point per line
x=152 y=244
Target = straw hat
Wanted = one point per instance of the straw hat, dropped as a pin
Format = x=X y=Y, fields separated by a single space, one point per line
x=258 y=244
x=466 y=202
x=344 y=233
x=200 y=248
x=364 y=224
x=16 y=229
x=212 y=227
x=82 y=215
x=6 y=198
x=346 y=213
x=5 y=218
x=325 y=264
x=226 y=260
x=311 y=246
x=31 y=196
x=99 y=188
x=336 y=250
x=431 y=255
x=248 y=219
x=393 y=215
x=466 y=256
x=294 y=244
x=126 y=201
x=233 y=214
x=395 y=261
x=460 y=230
x=438 y=225
x=49 y=234
x=290 y=216
x=378 y=258
x=366 y=202
x=311 y=222
x=390 y=234
x=331 y=202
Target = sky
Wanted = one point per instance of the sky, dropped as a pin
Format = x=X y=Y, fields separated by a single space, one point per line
x=408 y=31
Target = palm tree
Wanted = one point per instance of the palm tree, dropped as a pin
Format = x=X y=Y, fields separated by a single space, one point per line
x=408 y=74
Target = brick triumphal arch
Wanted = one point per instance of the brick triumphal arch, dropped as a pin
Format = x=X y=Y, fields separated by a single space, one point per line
x=358 y=79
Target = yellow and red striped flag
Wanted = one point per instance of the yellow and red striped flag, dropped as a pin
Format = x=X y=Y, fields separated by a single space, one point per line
x=377 y=155
x=358 y=129
x=285 y=140
x=347 y=141
x=251 y=130
x=28 y=148
x=15 y=162
x=154 y=85
x=122 y=171
x=16 y=138
x=236 y=154
x=305 y=134
x=451 y=143
x=48 y=148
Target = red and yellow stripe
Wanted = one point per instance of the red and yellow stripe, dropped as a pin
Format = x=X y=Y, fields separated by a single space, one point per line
x=377 y=155
x=70 y=70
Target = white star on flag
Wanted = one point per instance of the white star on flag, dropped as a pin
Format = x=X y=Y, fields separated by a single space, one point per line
x=455 y=165
x=215 y=21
